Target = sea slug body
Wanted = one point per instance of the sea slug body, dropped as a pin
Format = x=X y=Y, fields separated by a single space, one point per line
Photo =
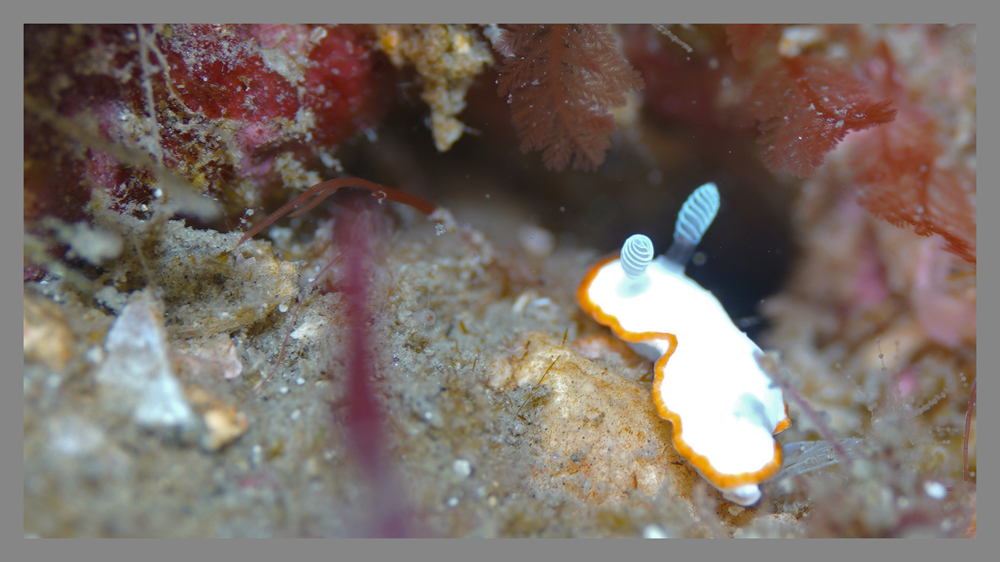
x=724 y=408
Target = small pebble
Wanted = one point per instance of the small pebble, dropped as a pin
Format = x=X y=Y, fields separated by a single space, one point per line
x=426 y=317
x=462 y=468
x=536 y=240
x=300 y=381
x=452 y=501
x=94 y=355
x=283 y=390
x=935 y=490
x=295 y=415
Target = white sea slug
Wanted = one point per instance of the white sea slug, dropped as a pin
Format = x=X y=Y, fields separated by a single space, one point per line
x=724 y=408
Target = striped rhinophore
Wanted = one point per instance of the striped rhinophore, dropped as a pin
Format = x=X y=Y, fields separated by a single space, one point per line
x=694 y=219
x=637 y=253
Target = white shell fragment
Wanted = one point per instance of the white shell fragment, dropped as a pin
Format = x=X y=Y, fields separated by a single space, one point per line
x=137 y=376
x=724 y=408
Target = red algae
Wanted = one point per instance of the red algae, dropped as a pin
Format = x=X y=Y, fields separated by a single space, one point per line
x=905 y=173
x=805 y=106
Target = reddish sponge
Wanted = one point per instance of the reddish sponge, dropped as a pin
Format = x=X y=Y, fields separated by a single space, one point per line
x=225 y=100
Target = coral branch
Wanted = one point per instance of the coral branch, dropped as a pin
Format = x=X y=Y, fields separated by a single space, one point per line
x=807 y=105
x=560 y=82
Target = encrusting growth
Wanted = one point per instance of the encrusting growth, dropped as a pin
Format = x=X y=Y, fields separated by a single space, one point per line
x=745 y=38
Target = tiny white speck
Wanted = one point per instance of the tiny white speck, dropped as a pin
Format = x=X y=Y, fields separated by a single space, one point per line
x=654 y=531
x=283 y=390
x=935 y=490
x=786 y=486
x=452 y=501
x=94 y=355
x=300 y=381
x=282 y=308
x=295 y=415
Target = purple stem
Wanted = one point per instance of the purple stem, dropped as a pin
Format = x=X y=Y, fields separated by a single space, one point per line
x=354 y=230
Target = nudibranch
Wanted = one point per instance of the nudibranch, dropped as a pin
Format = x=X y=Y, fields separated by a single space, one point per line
x=724 y=408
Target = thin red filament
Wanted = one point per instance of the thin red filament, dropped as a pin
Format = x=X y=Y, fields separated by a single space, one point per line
x=322 y=190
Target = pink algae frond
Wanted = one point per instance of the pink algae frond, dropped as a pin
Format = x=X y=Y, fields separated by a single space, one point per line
x=902 y=180
x=805 y=106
